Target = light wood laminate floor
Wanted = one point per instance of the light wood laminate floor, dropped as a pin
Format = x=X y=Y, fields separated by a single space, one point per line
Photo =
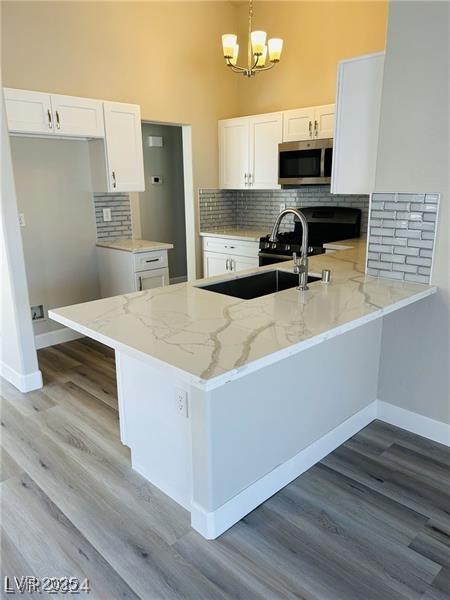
x=371 y=521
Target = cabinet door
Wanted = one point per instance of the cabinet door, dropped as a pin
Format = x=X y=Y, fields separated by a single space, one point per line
x=266 y=132
x=234 y=153
x=215 y=264
x=28 y=112
x=240 y=263
x=77 y=116
x=358 y=102
x=147 y=280
x=324 y=121
x=298 y=124
x=124 y=154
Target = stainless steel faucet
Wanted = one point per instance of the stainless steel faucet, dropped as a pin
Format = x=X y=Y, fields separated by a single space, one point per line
x=300 y=265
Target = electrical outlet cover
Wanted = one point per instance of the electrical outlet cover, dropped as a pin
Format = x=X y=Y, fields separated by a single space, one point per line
x=107 y=214
x=181 y=402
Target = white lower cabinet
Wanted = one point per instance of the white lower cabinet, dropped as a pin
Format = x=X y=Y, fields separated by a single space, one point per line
x=147 y=280
x=215 y=263
x=123 y=272
x=226 y=255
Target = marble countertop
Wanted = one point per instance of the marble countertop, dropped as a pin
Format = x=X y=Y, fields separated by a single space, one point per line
x=134 y=246
x=210 y=338
x=234 y=233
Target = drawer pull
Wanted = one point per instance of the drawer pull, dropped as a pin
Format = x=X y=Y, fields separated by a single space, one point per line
x=153 y=260
x=230 y=247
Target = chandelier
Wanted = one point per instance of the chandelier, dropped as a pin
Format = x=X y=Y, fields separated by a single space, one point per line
x=258 y=51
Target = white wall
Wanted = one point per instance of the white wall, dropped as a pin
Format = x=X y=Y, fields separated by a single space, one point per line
x=413 y=156
x=18 y=361
x=53 y=182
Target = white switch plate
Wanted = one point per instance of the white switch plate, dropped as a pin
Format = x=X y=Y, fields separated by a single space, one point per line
x=22 y=219
x=181 y=402
x=107 y=214
x=282 y=206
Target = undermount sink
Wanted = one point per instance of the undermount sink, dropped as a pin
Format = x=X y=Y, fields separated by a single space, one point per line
x=254 y=286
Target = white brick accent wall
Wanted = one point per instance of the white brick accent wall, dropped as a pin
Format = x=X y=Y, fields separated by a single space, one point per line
x=402 y=230
x=120 y=225
x=258 y=209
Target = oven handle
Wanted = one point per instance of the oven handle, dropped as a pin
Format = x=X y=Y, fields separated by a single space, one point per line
x=280 y=256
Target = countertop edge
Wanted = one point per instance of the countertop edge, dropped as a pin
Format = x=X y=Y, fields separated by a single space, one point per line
x=251 y=237
x=233 y=375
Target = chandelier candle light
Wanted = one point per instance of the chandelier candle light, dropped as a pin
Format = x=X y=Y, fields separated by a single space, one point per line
x=258 y=51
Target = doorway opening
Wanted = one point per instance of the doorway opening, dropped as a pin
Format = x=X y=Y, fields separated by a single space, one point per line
x=162 y=207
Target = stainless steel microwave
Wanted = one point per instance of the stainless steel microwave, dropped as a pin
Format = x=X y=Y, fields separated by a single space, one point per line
x=305 y=163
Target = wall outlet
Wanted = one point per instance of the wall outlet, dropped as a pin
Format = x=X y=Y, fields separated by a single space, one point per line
x=37 y=313
x=22 y=219
x=181 y=402
x=282 y=206
x=107 y=214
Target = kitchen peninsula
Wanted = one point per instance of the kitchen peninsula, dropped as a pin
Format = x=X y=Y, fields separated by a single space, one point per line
x=224 y=401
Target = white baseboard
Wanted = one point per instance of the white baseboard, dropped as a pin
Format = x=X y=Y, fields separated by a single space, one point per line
x=211 y=524
x=58 y=336
x=437 y=431
x=25 y=382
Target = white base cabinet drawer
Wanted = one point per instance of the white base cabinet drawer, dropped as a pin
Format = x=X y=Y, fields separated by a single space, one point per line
x=231 y=247
x=147 y=280
x=146 y=261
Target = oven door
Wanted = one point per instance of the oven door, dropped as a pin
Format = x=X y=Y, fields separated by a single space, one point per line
x=306 y=162
x=266 y=258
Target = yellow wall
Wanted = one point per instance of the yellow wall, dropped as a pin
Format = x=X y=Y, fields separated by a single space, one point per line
x=317 y=35
x=165 y=56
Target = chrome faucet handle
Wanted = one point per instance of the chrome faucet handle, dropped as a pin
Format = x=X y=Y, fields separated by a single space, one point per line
x=297 y=263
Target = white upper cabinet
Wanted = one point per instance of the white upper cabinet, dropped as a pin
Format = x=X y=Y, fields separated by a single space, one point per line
x=123 y=146
x=248 y=146
x=314 y=122
x=298 y=124
x=28 y=112
x=266 y=132
x=358 y=101
x=38 y=113
x=77 y=117
x=234 y=153
x=248 y=151
x=324 y=121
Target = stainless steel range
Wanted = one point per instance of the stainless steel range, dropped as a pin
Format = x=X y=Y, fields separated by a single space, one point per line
x=325 y=224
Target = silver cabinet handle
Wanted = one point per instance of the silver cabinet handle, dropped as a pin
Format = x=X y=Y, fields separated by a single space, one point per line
x=245 y=178
x=227 y=264
x=49 y=117
x=316 y=128
x=250 y=179
x=114 y=179
x=152 y=260
x=230 y=247
x=310 y=129
x=58 y=124
x=231 y=264
x=140 y=283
